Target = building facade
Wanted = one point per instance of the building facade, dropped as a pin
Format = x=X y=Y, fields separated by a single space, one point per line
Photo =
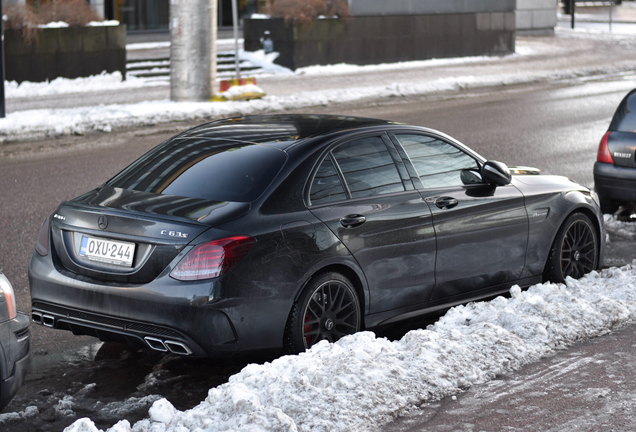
x=153 y=15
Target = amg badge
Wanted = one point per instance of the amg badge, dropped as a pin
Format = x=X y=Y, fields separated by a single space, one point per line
x=177 y=234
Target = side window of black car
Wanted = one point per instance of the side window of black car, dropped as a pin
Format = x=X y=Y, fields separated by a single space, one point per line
x=368 y=167
x=438 y=163
x=326 y=186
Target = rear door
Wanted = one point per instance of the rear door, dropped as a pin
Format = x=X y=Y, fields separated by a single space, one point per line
x=362 y=192
x=481 y=230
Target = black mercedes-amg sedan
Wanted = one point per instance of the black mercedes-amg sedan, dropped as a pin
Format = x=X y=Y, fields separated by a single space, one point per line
x=275 y=232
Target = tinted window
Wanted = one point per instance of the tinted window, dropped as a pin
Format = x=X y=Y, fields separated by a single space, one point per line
x=438 y=163
x=203 y=168
x=368 y=167
x=625 y=117
x=326 y=186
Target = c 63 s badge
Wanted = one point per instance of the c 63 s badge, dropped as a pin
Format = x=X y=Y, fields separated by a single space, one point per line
x=177 y=234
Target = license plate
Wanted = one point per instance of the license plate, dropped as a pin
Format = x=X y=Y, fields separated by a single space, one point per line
x=107 y=251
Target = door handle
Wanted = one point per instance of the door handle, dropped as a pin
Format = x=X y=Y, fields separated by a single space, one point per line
x=351 y=221
x=446 y=202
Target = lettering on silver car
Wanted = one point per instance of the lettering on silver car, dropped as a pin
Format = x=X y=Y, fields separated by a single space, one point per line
x=538 y=215
x=622 y=155
x=177 y=234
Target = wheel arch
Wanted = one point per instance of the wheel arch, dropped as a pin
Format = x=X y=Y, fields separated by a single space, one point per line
x=596 y=223
x=354 y=275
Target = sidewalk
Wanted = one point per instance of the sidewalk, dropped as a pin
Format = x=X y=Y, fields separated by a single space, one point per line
x=60 y=109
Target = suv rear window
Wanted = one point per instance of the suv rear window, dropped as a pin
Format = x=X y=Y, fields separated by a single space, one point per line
x=625 y=117
x=203 y=168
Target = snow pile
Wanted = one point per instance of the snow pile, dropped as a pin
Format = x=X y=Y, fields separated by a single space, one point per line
x=103 y=23
x=362 y=382
x=619 y=230
x=240 y=92
x=43 y=123
x=346 y=68
x=54 y=24
x=264 y=61
x=94 y=83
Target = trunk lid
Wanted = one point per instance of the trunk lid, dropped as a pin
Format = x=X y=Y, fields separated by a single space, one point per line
x=121 y=236
x=622 y=147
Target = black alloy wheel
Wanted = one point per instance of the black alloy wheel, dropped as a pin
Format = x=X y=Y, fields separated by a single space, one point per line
x=327 y=309
x=575 y=251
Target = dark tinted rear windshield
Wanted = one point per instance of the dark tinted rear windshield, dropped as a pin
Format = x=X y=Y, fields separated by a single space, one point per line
x=625 y=117
x=203 y=168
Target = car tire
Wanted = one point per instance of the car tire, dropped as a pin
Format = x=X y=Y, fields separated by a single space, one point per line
x=575 y=250
x=608 y=206
x=327 y=309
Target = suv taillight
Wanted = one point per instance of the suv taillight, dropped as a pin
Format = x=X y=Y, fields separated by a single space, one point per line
x=42 y=246
x=212 y=259
x=604 y=155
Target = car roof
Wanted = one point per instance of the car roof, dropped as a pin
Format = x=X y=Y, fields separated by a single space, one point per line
x=277 y=130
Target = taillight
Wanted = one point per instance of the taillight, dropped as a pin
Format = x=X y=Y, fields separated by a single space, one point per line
x=604 y=154
x=212 y=259
x=9 y=295
x=42 y=246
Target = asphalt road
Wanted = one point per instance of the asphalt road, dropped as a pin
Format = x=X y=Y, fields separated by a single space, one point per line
x=555 y=127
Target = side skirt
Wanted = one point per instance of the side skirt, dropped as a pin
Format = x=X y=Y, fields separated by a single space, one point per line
x=392 y=316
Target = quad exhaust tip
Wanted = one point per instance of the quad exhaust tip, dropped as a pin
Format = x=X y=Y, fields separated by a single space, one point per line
x=45 y=320
x=174 y=347
x=36 y=317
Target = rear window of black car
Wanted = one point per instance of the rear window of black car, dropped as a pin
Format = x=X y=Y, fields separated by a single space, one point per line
x=204 y=168
x=625 y=117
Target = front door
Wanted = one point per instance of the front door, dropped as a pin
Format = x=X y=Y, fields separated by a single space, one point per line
x=481 y=230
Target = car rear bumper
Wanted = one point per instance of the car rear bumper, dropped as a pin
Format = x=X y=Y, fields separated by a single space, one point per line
x=188 y=318
x=615 y=183
x=16 y=341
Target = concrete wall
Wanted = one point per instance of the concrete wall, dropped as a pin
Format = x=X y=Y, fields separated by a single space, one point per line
x=65 y=52
x=425 y=7
x=536 y=16
x=384 y=39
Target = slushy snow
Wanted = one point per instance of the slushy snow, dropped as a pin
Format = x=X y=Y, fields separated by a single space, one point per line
x=363 y=382
x=47 y=123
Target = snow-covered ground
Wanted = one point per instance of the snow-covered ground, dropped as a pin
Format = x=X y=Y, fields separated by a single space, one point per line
x=34 y=124
x=44 y=123
x=362 y=382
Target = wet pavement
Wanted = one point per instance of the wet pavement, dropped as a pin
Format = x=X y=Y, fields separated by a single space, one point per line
x=573 y=388
x=108 y=382
x=588 y=387
x=556 y=127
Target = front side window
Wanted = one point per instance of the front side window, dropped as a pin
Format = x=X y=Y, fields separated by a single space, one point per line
x=438 y=163
x=368 y=168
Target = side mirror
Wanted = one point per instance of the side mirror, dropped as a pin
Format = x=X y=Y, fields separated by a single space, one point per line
x=470 y=176
x=496 y=173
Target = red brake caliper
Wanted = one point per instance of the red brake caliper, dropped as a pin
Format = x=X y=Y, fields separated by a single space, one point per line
x=307 y=329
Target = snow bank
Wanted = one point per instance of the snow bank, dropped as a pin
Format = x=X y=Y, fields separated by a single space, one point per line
x=104 y=81
x=43 y=123
x=54 y=24
x=105 y=23
x=362 y=382
x=619 y=230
